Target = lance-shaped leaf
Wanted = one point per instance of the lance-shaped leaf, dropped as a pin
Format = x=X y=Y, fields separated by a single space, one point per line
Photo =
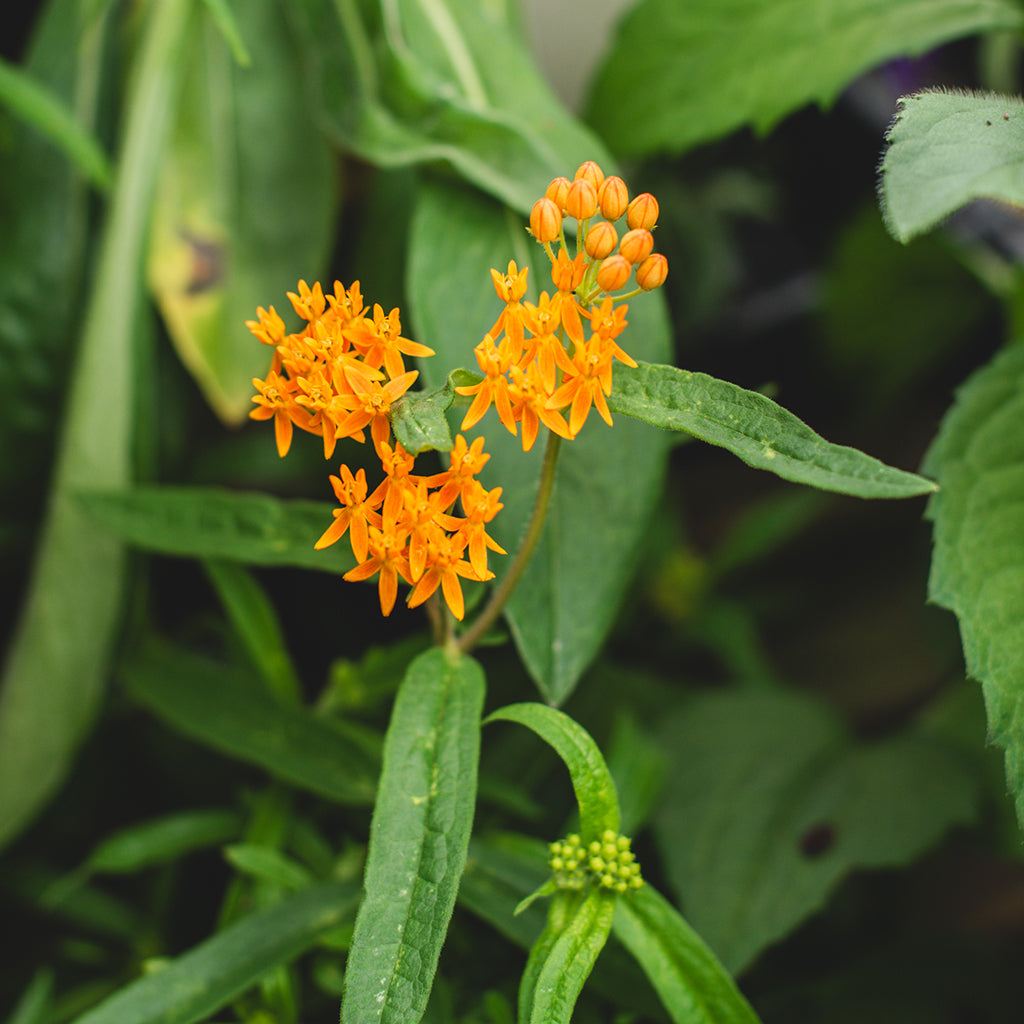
x=201 y=981
x=443 y=82
x=756 y=429
x=978 y=558
x=56 y=666
x=238 y=218
x=608 y=479
x=685 y=73
x=694 y=987
x=208 y=522
x=945 y=149
x=592 y=782
x=218 y=706
x=418 y=840
x=564 y=955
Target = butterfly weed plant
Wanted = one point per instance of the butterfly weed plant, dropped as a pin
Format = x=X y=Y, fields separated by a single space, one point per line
x=392 y=839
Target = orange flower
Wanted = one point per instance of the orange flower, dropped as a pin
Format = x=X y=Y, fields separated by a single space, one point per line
x=371 y=402
x=386 y=556
x=530 y=395
x=310 y=302
x=593 y=380
x=480 y=506
x=445 y=565
x=466 y=462
x=511 y=287
x=357 y=513
x=381 y=342
x=275 y=399
x=494 y=360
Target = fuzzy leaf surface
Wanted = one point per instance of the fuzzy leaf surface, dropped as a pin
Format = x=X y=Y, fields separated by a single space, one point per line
x=769 y=804
x=208 y=522
x=221 y=708
x=757 y=430
x=208 y=977
x=946 y=149
x=235 y=219
x=721 y=65
x=418 y=840
x=591 y=781
x=608 y=479
x=692 y=984
x=978 y=556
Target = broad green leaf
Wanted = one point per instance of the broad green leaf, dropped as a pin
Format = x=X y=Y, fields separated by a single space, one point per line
x=161 y=840
x=217 y=705
x=564 y=955
x=591 y=781
x=268 y=865
x=37 y=105
x=207 y=522
x=442 y=82
x=769 y=804
x=208 y=977
x=608 y=479
x=680 y=74
x=56 y=666
x=692 y=984
x=978 y=557
x=418 y=840
x=245 y=200
x=419 y=420
x=757 y=430
x=945 y=149
x=257 y=625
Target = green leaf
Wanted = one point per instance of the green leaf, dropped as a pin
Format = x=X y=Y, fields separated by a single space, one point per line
x=691 y=982
x=207 y=522
x=161 y=840
x=257 y=625
x=268 y=865
x=945 y=149
x=37 y=105
x=446 y=82
x=769 y=804
x=237 y=218
x=978 y=557
x=591 y=781
x=217 y=705
x=418 y=840
x=419 y=420
x=33 y=1005
x=209 y=976
x=564 y=955
x=608 y=479
x=682 y=74
x=56 y=666
x=754 y=428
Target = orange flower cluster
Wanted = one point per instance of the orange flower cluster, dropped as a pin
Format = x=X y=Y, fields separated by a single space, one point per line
x=336 y=377
x=529 y=374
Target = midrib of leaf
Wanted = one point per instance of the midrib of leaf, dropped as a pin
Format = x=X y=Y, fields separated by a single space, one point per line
x=458 y=52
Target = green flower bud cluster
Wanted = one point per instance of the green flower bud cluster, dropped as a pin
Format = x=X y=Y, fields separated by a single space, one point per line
x=608 y=861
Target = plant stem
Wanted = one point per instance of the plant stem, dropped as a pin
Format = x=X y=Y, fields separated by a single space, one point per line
x=503 y=591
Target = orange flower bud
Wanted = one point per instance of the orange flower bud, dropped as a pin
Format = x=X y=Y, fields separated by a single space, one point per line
x=558 y=190
x=642 y=212
x=591 y=172
x=545 y=220
x=581 y=199
x=637 y=245
x=613 y=197
x=601 y=240
x=652 y=272
x=614 y=273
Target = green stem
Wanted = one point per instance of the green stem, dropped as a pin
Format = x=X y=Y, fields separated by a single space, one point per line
x=503 y=591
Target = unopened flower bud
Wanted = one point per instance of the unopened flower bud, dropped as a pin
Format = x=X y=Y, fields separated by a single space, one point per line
x=614 y=273
x=581 y=199
x=642 y=212
x=591 y=172
x=652 y=272
x=613 y=197
x=636 y=245
x=545 y=220
x=601 y=240
x=558 y=190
